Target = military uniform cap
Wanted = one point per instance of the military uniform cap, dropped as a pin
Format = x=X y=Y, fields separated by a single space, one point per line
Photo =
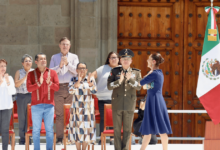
x=126 y=53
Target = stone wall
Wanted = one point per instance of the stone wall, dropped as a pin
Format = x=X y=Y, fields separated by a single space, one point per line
x=94 y=30
x=33 y=26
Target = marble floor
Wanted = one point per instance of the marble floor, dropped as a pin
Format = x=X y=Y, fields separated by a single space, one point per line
x=110 y=147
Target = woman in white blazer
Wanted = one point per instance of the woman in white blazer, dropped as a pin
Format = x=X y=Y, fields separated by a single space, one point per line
x=7 y=89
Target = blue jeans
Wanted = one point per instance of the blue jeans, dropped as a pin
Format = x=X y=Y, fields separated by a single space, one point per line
x=46 y=112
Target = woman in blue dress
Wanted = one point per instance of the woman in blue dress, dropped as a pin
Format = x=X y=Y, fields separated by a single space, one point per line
x=156 y=119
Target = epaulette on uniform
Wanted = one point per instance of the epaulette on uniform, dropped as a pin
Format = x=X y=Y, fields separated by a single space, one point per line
x=118 y=67
x=136 y=69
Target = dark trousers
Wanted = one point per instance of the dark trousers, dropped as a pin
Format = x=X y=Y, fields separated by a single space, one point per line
x=5 y=117
x=61 y=97
x=22 y=101
x=101 y=110
x=126 y=117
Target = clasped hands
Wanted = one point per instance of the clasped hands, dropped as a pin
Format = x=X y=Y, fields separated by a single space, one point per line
x=80 y=77
x=63 y=61
x=123 y=75
x=48 y=81
x=6 y=78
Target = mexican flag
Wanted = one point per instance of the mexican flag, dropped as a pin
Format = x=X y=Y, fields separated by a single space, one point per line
x=208 y=87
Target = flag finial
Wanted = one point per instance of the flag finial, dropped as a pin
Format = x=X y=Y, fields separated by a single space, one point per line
x=211 y=3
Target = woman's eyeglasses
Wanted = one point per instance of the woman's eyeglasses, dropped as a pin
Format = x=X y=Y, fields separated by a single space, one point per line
x=26 y=61
x=112 y=58
x=81 y=69
x=3 y=66
x=65 y=44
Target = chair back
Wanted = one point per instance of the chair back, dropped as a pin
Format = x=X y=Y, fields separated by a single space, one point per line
x=11 y=126
x=66 y=112
x=15 y=107
x=108 y=120
x=96 y=102
x=29 y=117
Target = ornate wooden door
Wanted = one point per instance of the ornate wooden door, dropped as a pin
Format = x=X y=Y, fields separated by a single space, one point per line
x=149 y=26
x=176 y=29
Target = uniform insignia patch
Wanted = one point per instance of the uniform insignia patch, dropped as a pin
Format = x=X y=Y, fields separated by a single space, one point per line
x=133 y=75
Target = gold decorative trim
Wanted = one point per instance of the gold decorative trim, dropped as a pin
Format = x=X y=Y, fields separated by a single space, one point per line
x=35 y=74
x=49 y=85
x=212 y=38
x=212 y=31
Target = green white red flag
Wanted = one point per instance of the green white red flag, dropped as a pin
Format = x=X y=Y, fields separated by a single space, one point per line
x=208 y=87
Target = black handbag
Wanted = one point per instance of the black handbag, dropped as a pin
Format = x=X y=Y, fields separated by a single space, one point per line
x=137 y=124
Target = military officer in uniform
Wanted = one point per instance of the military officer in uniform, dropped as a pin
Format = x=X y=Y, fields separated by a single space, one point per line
x=124 y=81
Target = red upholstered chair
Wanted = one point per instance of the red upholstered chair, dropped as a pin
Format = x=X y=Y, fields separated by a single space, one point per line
x=15 y=109
x=66 y=112
x=11 y=131
x=30 y=131
x=97 y=113
x=108 y=122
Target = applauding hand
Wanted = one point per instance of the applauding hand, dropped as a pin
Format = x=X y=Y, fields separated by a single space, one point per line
x=77 y=84
x=48 y=80
x=89 y=80
x=128 y=75
x=27 y=74
x=7 y=78
x=41 y=78
x=1 y=79
x=121 y=77
x=62 y=62
x=65 y=60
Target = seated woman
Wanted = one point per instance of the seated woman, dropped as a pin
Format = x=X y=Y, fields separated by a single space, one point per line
x=7 y=89
x=82 y=128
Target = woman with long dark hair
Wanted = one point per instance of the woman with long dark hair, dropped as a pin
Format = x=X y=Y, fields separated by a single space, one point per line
x=103 y=94
x=156 y=119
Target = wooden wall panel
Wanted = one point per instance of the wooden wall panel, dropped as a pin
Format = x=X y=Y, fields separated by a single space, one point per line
x=140 y=21
x=176 y=29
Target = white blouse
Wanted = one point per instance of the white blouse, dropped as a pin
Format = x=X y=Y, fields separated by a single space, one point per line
x=6 y=93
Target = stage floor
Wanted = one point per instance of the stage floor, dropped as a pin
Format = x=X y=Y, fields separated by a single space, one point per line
x=134 y=147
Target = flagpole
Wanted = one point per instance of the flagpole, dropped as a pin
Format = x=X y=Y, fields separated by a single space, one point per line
x=212 y=8
x=211 y=11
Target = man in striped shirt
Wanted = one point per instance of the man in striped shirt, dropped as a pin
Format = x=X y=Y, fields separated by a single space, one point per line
x=64 y=63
